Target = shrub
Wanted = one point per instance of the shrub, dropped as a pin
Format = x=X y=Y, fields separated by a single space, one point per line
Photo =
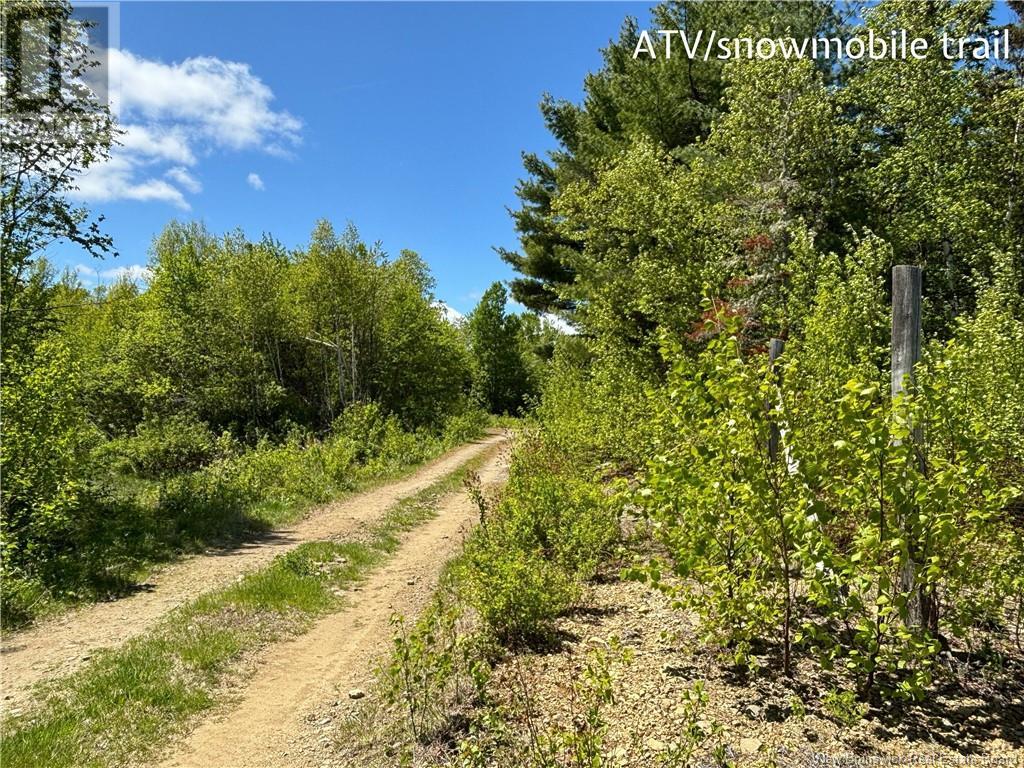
x=549 y=508
x=843 y=707
x=463 y=427
x=364 y=425
x=516 y=592
x=891 y=512
x=523 y=566
x=165 y=446
x=43 y=459
x=433 y=669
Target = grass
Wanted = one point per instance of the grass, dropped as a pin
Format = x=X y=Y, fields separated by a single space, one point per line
x=135 y=531
x=129 y=702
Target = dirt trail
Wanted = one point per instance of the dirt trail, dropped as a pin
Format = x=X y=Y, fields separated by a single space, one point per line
x=278 y=720
x=59 y=646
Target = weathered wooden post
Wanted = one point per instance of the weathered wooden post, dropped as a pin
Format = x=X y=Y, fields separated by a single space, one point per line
x=906 y=325
x=775 y=347
x=906 y=352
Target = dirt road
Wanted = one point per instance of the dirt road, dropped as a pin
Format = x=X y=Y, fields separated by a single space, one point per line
x=279 y=719
x=59 y=646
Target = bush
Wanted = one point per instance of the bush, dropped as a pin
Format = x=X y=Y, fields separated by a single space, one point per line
x=165 y=446
x=523 y=567
x=43 y=460
x=515 y=591
x=892 y=513
x=462 y=428
x=570 y=520
x=364 y=426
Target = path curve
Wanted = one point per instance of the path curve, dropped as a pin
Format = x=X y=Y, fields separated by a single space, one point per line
x=279 y=718
x=58 y=646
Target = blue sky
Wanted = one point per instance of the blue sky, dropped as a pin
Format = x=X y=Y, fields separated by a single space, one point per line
x=407 y=119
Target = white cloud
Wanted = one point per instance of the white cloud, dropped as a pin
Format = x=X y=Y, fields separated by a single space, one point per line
x=117 y=179
x=254 y=181
x=223 y=100
x=154 y=142
x=187 y=181
x=556 y=322
x=173 y=115
x=453 y=316
x=93 y=276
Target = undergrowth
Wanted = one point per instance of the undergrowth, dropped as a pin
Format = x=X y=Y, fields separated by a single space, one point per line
x=127 y=702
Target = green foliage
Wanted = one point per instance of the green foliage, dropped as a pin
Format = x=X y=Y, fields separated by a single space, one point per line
x=731 y=515
x=464 y=427
x=895 y=542
x=43 y=459
x=516 y=592
x=548 y=532
x=675 y=172
x=695 y=732
x=797 y=501
x=501 y=382
x=843 y=707
x=595 y=409
x=107 y=533
x=45 y=144
x=434 y=670
x=241 y=384
x=515 y=734
x=164 y=446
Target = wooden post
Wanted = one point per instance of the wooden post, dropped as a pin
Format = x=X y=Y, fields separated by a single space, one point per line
x=775 y=347
x=906 y=353
x=906 y=325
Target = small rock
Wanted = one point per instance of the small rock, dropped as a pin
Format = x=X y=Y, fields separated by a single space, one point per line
x=410 y=582
x=655 y=745
x=752 y=711
x=356 y=693
x=325 y=721
x=749 y=746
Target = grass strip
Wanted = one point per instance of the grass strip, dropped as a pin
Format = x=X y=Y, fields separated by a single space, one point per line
x=129 y=702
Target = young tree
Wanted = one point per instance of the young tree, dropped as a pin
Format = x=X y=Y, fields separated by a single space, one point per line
x=500 y=379
x=54 y=127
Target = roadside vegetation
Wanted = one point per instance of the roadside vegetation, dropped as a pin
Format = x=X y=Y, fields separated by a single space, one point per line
x=129 y=702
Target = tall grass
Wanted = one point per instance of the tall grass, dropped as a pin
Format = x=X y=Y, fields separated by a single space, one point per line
x=128 y=703
x=144 y=514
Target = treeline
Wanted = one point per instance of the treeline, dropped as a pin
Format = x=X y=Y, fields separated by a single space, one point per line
x=249 y=337
x=237 y=383
x=696 y=210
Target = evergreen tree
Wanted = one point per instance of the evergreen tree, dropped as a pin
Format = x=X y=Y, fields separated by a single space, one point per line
x=500 y=375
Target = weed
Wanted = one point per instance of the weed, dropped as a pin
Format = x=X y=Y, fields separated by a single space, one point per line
x=843 y=707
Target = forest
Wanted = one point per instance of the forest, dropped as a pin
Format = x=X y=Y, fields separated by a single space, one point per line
x=722 y=431
x=242 y=382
